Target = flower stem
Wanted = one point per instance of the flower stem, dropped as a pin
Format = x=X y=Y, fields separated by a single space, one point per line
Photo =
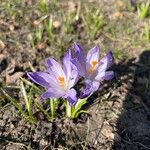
x=52 y=108
x=68 y=110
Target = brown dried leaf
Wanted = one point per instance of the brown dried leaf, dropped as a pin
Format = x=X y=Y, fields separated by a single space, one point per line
x=72 y=6
x=108 y=132
x=13 y=78
x=41 y=45
x=2 y=45
x=11 y=67
x=120 y=3
x=116 y=15
x=2 y=56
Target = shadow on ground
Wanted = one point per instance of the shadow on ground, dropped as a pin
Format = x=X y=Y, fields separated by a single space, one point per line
x=133 y=124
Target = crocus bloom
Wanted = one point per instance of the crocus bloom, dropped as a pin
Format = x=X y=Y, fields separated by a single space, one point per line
x=133 y=2
x=92 y=69
x=58 y=80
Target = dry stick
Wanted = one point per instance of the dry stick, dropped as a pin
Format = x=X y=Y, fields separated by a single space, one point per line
x=11 y=142
x=46 y=147
x=143 y=145
x=98 y=132
x=113 y=39
x=136 y=143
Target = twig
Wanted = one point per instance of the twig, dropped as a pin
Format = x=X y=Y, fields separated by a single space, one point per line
x=11 y=142
x=98 y=133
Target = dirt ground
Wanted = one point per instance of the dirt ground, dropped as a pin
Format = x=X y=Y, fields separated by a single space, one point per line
x=118 y=113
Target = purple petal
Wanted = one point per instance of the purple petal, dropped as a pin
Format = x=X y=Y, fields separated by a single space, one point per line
x=108 y=75
x=68 y=55
x=87 y=90
x=67 y=64
x=105 y=63
x=93 y=54
x=55 y=68
x=80 y=55
x=96 y=85
x=53 y=93
x=100 y=76
x=70 y=70
x=44 y=79
x=90 y=88
x=71 y=97
x=73 y=78
x=40 y=78
x=79 y=51
x=80 y=68
x=133 y=2
x=107 y=60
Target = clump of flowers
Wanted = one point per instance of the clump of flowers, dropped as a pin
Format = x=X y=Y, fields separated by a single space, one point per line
x=59 y=79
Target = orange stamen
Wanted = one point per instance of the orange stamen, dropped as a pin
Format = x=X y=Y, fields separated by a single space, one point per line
x=93 y=66
x=94 y=63
x=61 y=81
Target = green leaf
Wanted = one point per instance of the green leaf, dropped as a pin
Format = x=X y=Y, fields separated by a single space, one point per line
x=25 y=97
x=144 y=10
x=35 y=88
x=14 y=102
x=78 y=107
x=80 y=103
x=53 y=107
x=79 y=112
x=42 y=109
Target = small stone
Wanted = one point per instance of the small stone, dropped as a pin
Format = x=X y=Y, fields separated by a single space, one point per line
x=2 y=123
x=11 y=126
x=43 y=142
x=56 y=24
x=107 y=132
x=2 y=45
x=36 y=22
x=11 y=27
x=6 y=115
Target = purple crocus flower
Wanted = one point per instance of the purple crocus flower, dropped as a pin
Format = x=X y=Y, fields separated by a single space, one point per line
x=59 y=80
x=133 y=2
x=92 y=69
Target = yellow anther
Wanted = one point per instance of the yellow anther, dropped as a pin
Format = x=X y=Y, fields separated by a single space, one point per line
x=92 y=67
x=61 y=81
x=94 y=63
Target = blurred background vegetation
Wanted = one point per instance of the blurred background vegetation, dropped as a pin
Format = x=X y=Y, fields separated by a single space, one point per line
x=52 y=25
